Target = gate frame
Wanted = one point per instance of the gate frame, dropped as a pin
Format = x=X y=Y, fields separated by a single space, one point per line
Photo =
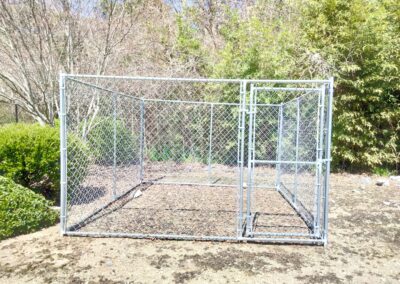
x=314 y=222
x=245 y=111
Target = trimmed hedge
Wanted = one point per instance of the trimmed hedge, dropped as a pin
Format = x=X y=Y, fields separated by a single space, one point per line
x=30 y=156
x=22 y=211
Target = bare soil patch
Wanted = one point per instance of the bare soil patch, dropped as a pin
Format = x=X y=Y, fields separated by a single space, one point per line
x=189 y=210
x=364 y=243
x=194 y=211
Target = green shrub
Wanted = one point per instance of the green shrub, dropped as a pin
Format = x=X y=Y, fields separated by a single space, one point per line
x=382 y=171
x=22 y=211
x=30 y=155
x=101 y=142
x=176 y=153
x=357 y=42
x=168 y=146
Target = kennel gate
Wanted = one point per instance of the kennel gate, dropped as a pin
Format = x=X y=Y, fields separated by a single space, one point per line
x=196 y=159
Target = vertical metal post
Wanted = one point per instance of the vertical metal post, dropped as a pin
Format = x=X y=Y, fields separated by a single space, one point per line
x=250 y=163
x=316 y=158
x=279 y=150
x=328 y=159
x=210 y=142
x=240 y=154
x=253 y=157
x=63 y=156
x=141 y=140
x=296 y=185
x=319 y=148
x=114 y=186
x=253 y=132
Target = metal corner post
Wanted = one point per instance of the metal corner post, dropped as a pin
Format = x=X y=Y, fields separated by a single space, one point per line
x=63 y=156
x=328 y=159
x=114 y=186
x=296 y=178
x=240 y=154
x=279 y=150
x=250 y=161
x=319 y=151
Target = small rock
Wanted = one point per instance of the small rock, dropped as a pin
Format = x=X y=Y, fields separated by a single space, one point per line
x=137 y=194
x=396 y=180
x=61 y=263
x=387 y=203
x=382 y=182
x=366 y=180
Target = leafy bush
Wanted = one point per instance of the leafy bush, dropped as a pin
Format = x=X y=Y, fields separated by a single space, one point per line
x=385 y=172
x=101 y=142
x=22 y=211
x=356 y=41
x=30 y=155
x=166 y=153
x=175 y=150
x=359 y=40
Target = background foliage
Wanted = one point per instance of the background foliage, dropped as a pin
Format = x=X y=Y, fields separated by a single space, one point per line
x=356 y=41
x=101 y=143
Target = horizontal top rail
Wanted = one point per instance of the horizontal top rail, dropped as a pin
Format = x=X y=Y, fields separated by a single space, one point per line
x=152 y=100
x=190 y=102
x=290 y=162
x=286 y=89
x=103 y=89
x=270 y=105
x=194 y=79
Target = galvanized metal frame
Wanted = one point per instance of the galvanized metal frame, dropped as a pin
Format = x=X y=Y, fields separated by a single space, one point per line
x=247 y=110
x=297 y=149
x=63 y=156
x=240 y=156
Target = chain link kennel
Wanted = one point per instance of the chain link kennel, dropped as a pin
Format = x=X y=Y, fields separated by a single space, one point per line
x=200 y=159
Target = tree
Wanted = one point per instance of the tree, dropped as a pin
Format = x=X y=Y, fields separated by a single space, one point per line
x=360 y=41
x=40 y=38
x=356 y=41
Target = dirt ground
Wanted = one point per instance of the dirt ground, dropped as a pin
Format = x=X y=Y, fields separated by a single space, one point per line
x=193 y=211
x=364 y=245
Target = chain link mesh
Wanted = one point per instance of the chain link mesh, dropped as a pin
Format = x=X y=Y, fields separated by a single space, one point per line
x=167 y=158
